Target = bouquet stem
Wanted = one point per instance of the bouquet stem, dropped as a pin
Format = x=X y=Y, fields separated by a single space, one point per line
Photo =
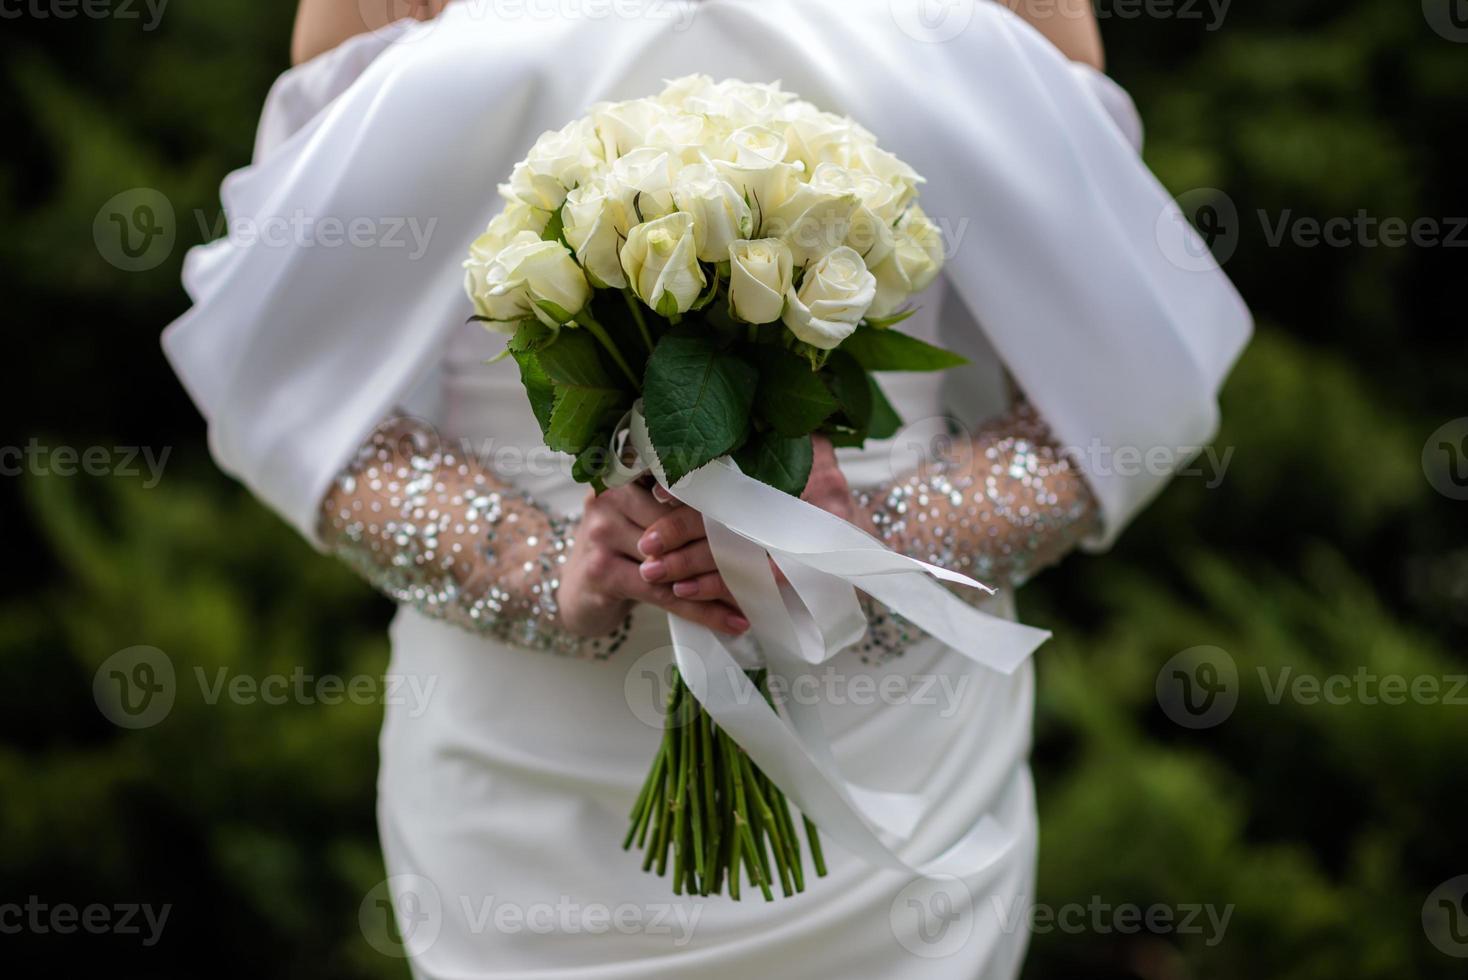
x=706 y=801
x=635 y=305
x=586 y=320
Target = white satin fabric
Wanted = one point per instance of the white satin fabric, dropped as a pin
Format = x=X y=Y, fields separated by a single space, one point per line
x=511 y=790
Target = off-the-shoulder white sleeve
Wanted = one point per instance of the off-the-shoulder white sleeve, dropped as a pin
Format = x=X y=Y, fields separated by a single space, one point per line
x=301 y=93
x=340 y=278
x=1099 y=297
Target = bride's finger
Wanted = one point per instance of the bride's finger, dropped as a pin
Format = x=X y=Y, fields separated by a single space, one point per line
x=704 y=588
x=637 y=503
x=675 y=528
x=624 y=580
x=689 y=561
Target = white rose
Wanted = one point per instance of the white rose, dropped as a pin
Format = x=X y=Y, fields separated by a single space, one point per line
x=760 y=274
x=559 y=160
x=685 y=136
x=661 y=260
x=524 y=273
x=513 y=220
x=622 y=127
x=882 y=203
x=678 y=91
x=817 y=217
x=815 y=137
x=756 y=147
x=879 y=163
x=915 y=261
x=594 y=223
x=744 y=103
x=766 y=188
x=642 y=183
x=720 y=215
x=834 y=296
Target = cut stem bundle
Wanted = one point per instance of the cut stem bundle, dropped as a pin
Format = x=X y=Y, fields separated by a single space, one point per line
x=706 y=801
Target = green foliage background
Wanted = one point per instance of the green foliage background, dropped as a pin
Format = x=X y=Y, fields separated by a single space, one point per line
x=1324 y=550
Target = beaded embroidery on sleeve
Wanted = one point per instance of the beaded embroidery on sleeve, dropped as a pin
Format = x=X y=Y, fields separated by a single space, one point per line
x=1000 y=506
x=438 y=531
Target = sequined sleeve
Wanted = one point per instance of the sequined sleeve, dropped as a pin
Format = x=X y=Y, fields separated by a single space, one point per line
x=999 y=506
x=437 y=530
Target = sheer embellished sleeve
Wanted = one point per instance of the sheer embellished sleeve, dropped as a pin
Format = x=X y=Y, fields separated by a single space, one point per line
x=999 y=506
x=436 y=530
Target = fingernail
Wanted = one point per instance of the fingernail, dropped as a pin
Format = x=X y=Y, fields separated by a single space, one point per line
x=651 y=544
x=652 y=571
x=659 y=494
x=738 y=623
x=685 y=589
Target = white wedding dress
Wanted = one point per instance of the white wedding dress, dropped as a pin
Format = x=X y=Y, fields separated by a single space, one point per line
x=513 y=788
x=503 y=805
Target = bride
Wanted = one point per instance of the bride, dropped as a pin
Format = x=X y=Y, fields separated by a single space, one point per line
x=341 y=383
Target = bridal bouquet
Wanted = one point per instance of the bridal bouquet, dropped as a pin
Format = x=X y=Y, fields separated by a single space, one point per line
x=727 y=263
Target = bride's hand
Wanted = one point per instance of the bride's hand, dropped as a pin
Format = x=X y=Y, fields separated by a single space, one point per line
x=679 y=547
x=602 y=577
x=827 y=487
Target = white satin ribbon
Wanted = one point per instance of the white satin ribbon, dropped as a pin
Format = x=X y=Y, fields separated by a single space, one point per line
x=807 y=622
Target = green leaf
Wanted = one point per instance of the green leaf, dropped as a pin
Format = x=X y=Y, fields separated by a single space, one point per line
x=538 y=387
x=589 y=398
x=791 y=397
x=890 y=350
x=555 y=228
x=580 y=414
x=531 y=335
x=885 y=322
x=594 y=461
x=697 y=398
x=575 y=359
x=884 y=421
x=782 y=463
x=557 y=313
x=850 y=384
